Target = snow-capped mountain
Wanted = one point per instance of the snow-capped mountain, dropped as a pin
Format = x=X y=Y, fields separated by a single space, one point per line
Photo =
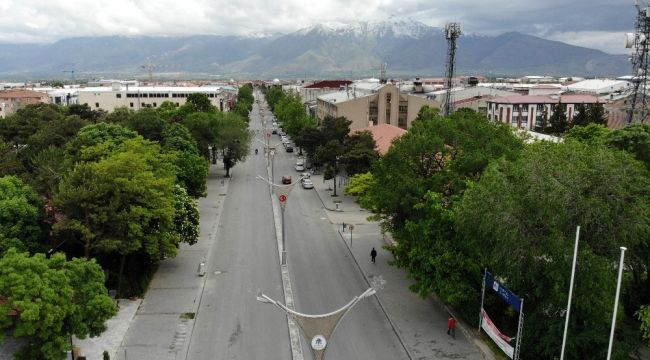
x=399 y=28
x=410 y=48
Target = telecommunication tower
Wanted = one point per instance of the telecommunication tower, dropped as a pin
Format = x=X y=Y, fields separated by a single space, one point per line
x=452 y=32
x=637 y=109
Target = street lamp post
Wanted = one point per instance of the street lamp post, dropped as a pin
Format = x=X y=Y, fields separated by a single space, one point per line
x=336 y=167
x=318 y=329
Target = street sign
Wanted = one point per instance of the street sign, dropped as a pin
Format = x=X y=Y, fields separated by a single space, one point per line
x=283 y=198
x=351 y=227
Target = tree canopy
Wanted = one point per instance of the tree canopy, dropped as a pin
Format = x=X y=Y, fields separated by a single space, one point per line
x=52 y=298
x=523 y=214
x=21 y=216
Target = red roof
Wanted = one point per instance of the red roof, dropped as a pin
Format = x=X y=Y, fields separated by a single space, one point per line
x=384 y=135
x=21 y=94
x=328 y=84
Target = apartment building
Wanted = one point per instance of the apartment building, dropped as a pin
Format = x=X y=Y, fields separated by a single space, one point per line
x=528 y=111
x=140 y=97
x=12 y=100
x=372 y=103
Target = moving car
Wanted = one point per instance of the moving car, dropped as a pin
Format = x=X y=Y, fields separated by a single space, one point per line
x=289 y=148
x=286 y=179
x=307 y=184
x=300 y=167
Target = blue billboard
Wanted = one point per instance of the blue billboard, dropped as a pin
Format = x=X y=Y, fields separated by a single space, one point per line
x=503 y=291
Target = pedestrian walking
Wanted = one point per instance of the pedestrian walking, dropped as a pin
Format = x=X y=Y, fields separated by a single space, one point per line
x=373 y=254
x=451 y=327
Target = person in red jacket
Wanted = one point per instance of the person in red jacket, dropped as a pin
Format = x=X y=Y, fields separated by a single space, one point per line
x=451 y=327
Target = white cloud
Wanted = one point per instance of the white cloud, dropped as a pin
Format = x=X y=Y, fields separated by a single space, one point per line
x=48 y=21
x=609 y=42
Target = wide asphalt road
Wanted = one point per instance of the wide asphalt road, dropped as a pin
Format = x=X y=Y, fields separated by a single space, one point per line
x=230 y=323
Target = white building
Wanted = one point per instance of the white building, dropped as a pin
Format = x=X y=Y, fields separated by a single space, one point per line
x=528 y=112
x=139 y=97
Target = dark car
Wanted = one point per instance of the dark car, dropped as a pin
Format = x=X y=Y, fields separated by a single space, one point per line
x=289 y=148
x=286 y=179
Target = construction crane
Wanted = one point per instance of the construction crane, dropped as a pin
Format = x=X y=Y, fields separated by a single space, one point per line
x=149 y=68
x=71 y=74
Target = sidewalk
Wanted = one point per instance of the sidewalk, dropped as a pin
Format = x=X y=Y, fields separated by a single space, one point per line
x=421 y=324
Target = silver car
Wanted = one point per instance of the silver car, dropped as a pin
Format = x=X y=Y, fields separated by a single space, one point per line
x=307 y=184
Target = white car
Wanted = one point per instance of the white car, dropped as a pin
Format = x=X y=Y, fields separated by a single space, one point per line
x=300 y=167
x=307 y=184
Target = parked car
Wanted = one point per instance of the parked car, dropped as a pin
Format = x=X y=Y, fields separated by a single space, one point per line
x=307 y=184
x=300 y=167
x=275 y=131
x=286 y=179
x=305 y=175
x=289 y=148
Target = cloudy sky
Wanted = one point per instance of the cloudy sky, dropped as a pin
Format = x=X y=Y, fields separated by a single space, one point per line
x=597 y=24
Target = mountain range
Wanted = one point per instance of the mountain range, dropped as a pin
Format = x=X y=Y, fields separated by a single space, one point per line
x=408 y=47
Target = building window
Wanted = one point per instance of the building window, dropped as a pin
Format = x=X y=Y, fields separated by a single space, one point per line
x=131 y=104
x=119 y=96
x=96 y=105
x=154 y=104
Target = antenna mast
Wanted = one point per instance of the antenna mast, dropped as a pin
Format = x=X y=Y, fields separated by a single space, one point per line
x=638 y=109
x=452 y=32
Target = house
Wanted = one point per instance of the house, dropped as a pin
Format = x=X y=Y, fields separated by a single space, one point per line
x=12 y=100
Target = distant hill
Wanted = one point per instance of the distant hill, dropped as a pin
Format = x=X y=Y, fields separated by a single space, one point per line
x=409 y=48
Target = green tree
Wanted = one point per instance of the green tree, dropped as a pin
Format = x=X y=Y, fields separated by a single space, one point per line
x=245 y=101
x=523 y=215
x=176 y=137
x=148 y=123
x=9 y=162
x=359 y=186
x=232 y=139
x=54 y=133
x=96 y=141
x=121 y=115
x=558 y=121
x=581 y=117
x=53 y=299
x=203 y=127
x=186 y=216
x=192 y=173
x=122 y=203
x=85 y=112
x=47 y=168
x=17 y=128
x=21 y=214
x=596 y=114
x=273 y=96
x=591 y=134
x=634 y=139
x=359 y=154
x=644 y=316
x=196 y=102
x=290 y=111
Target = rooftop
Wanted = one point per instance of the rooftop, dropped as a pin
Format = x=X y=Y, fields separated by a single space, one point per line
x=328 y=84
x=384 y=134
x=540 y=99
x=183 y=89
x=21 y=93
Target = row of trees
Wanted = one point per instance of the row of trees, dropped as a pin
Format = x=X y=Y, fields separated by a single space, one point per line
x=329 y=145
x=461 y=194
x=558 y=123
x=118 y=190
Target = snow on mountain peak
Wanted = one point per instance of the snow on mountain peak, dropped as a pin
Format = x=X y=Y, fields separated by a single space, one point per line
x=401 y=28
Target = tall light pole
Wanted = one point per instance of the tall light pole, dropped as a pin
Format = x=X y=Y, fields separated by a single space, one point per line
x=336 y=168
x=618 y=290
x=568 y=307
x=318 y=329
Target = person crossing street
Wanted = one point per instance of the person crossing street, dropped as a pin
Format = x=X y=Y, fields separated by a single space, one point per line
x=373 y=254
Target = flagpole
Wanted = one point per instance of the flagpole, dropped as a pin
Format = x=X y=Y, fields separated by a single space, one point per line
x=618 y=290
x=568 y=307
x=480 y=317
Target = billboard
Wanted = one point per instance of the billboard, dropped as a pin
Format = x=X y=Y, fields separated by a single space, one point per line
x=503 y=291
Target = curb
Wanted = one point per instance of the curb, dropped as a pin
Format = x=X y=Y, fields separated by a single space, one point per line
x=381 y=304
x=485 y=353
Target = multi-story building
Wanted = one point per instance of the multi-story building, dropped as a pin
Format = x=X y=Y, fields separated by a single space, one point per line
x=372 y=103
x=529 y=111
x=139 y=97
x=12 y=100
